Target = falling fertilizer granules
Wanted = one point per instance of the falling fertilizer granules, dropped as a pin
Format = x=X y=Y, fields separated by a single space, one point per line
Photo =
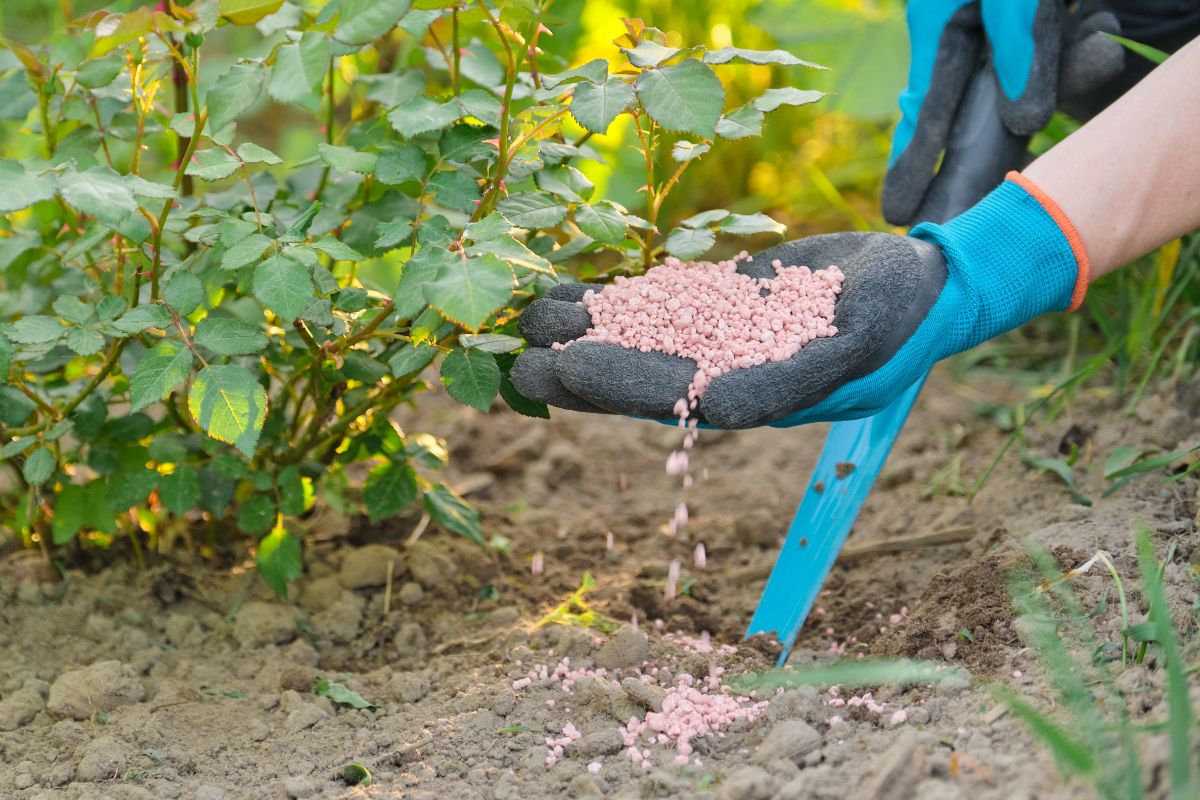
x=720 y=318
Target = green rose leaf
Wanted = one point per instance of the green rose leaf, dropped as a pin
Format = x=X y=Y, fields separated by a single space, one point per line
x=455 y=190
x=532 y=210
x=361 y=21
x=247 y=251
x=471 y=377
x=161 y=369
x=98 y=191
x=595 y=71
x=279 y=559
x=72 y=309
x=772 y=99
x=212 y=164
x=453 y=513
x=257 y=514
x=140 y=318
x=603 y=222
x=338 y=250
x=85 y=342
x=77 y=507
x=409 y=359
x=495 y=343
x=283 y=285
x=184 y=292
x=650 y=53
x=226 y=336
x=687 y=96
x=389 y=489
x=235 y=93
x=180 y=491
x=299 y=70
x=468 y=291
x=20 y=189
x=705 y=218
x=750 y=224
x=229 y=405
x=595 y=105
x=347 y=159
x=400 y=165
x=726 y=55
x=39 y=466
x=36 y=329
x=743 y=123
x=422 y=115
x=686 y=151
x=689 y=243
x=254 y=154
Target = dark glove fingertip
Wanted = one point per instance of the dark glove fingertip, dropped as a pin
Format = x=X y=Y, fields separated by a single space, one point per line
x=547 y=321
x=625 y=381
x=533 y=374
x=571 y=292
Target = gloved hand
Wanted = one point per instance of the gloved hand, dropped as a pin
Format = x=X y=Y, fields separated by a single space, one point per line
x=1040 y=54
x=906 y=302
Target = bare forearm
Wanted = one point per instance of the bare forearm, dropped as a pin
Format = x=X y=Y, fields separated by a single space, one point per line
x=1129 y=180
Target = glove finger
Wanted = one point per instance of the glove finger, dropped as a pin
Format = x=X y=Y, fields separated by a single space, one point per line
x=945 y=50
x=547 y=321
x=571 y=292
x=1026 y=40
x=1090 y=58
x=625 y=381
x=533 y=373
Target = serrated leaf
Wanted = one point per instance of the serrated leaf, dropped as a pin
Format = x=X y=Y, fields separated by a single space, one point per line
x=471 y=377
x=98 y=72
x=687 y=96
x=411 y=358
x=279 y=559
x=184 y=292
x=247 y=12
x=650 y=53
x=468 y=291
x=393 y=233
x=283 y=285
x=20 y=189
x=111 y=306
x=140 y=318
x=256 y=514
x=595 y=71
x=602 y=222
x=337 y=249
x=6 y=353
x=70 y=510
x=361 y=21
x=98 y=191
x=453 y=513
x=161 y=369
x=36 y=329
x=514 y=253
x=180 y=490
x=144 y=188
x=212 y=164
x=705 y=218
x=291 y=491
x=85 y=342
x=235 y=93
x=532 y=210
x=226 y=336
x=455 y=190
x=566 y=182
x=360 y=366
x=422 y=115
x=750 y=224
x=347 y=159
x=743 y=123
x=689 y=243
x=782 y=57
x=494 y=343
x=72 y=309
x=247 y=251
x=39 y=466
x=299 y=71
x=400 y=165
x=772 y=99
x=254 y=154
x=515 y=400
x=595 y=105
x=686 y=151
x=389 y=489
x=229 y=405
x=341 y=695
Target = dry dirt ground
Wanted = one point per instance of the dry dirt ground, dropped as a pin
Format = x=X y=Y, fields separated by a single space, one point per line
x=190 y=681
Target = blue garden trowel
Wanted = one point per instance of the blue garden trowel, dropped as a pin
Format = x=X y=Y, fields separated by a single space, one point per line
x=979 y=153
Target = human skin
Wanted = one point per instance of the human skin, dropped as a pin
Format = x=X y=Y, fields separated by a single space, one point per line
x=1129 y=180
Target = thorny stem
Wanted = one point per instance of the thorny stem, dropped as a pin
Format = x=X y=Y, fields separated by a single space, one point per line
x=329 y=119
x=492 y=194
x=337 y=430
x=456 y=47
x=385 y=310
x=168 y=204
x=646 y=137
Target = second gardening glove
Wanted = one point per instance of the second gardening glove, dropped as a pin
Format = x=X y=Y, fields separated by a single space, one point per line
x=906 y=303
x=1039 y=53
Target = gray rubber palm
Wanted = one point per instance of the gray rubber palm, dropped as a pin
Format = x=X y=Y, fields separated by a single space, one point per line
x=891 y=282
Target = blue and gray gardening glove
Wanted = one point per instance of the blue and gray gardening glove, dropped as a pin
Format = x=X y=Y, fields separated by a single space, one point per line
x=906 y=303
x=1039 y=54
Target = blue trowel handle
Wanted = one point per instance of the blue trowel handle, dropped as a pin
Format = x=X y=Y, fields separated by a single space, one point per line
x=980 y=152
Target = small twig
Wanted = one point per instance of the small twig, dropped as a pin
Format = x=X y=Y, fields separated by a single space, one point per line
x=417 y=531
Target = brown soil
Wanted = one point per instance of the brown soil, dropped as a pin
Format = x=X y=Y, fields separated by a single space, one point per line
x=189 y=680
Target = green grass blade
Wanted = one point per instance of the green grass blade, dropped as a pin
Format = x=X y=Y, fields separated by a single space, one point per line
x=854 y=673
x=1071 y=755
x=1179 y=709
x=1152 y=54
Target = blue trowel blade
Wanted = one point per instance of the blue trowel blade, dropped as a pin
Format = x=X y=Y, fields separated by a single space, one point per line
x=825 y=517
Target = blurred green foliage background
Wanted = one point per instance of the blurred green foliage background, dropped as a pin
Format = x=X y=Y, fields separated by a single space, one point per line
x=818 y=168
